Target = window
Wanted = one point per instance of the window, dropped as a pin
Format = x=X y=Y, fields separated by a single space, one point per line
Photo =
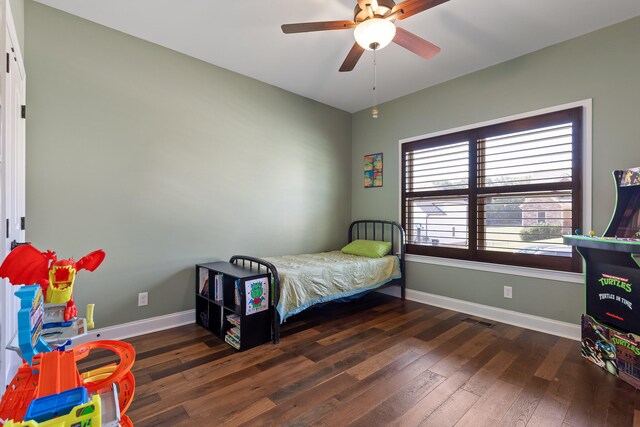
x=504 y=193
x=542 y=215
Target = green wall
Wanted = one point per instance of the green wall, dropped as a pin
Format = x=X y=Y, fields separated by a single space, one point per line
x=165 y=161
x=602 y=65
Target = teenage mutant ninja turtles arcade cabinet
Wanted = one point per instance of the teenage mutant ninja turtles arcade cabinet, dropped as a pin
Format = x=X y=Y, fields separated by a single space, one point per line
x=611 y=325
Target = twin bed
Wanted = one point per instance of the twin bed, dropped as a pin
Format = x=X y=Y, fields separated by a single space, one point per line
x=301 y=281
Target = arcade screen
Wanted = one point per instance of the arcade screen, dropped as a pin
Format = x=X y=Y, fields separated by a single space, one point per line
x=629 y=204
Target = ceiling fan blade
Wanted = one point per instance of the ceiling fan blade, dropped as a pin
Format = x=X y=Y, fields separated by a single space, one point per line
x=352 y=58
x=412 y=7
x=305 y=27
x=415 y=44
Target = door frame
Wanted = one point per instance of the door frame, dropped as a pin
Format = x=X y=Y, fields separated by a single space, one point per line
x=12 y=183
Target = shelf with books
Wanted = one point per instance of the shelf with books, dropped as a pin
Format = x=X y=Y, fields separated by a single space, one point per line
x=234 y=303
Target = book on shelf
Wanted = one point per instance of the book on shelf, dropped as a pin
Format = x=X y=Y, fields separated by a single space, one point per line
x=234 y=319
x=217 y=288
x=237 y=292
x=203 y=282
x=232 y=342
x=234 y=332
x=232 y=336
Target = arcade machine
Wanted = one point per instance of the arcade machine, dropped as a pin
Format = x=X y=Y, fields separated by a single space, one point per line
x=611 y=325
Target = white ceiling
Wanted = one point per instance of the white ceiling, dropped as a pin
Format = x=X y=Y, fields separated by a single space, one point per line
x=244 y=36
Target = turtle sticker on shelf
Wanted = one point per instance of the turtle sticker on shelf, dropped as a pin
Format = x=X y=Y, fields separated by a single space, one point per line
x=257 y=292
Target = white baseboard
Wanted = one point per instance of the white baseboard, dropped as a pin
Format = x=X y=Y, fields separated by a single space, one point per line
x=139 y=327
x=528 y=321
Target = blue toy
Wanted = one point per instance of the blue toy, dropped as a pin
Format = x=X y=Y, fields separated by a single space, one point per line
x=30 y=320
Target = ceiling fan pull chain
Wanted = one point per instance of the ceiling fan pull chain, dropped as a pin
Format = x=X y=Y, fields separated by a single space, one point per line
x=374 y=110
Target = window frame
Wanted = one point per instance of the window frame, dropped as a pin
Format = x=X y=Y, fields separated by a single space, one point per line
x=578 y=113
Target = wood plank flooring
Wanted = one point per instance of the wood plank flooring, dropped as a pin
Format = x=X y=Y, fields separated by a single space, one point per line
x=376 y=362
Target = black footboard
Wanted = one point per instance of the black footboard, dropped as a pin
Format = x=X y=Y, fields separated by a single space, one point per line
x=262 y=265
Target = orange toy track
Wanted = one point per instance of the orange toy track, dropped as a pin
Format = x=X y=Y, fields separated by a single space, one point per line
x=19 y=394
x=100 y=380
x=58 y=372
x=125 y=421
x=126 y=385
x=55 y=372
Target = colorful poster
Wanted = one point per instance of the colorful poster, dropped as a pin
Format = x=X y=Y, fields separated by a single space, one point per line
x=373 y=170
x=257 y=295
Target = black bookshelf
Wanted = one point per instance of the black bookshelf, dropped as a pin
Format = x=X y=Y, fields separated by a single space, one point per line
x=234 y=296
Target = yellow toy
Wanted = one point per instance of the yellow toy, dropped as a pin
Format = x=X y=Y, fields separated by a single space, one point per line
x=88 y=414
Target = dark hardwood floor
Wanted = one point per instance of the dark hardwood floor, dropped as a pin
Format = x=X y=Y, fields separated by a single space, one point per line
x=376 y=362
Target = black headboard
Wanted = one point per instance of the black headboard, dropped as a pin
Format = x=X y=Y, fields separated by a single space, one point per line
x=375 y=229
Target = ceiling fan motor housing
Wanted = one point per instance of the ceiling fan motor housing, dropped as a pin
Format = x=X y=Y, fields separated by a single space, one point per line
x=361 y=13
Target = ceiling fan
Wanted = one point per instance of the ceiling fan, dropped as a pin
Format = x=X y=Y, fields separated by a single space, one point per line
x=373 y=21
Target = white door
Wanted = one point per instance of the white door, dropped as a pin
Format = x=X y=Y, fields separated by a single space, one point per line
x=12 y=189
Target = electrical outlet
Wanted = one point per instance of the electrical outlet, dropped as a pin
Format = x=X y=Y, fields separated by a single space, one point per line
x=143 y=299
x=508 y=292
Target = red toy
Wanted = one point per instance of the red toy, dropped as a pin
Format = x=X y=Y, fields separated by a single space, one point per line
x=26 y=265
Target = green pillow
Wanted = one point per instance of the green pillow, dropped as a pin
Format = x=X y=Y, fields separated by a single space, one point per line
x=368 y=248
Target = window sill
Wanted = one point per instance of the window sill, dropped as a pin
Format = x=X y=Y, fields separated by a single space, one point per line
x=537 y=273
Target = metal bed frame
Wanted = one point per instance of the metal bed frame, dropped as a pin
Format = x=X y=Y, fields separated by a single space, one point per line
x=368 y=229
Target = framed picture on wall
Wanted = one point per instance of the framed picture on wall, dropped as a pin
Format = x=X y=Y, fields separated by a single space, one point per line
x=373 y=170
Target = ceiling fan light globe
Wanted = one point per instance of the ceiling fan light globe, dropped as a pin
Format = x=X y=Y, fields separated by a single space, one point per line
x=375 y=33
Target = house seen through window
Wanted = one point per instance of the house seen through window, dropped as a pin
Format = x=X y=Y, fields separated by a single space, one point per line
x=504 y=193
